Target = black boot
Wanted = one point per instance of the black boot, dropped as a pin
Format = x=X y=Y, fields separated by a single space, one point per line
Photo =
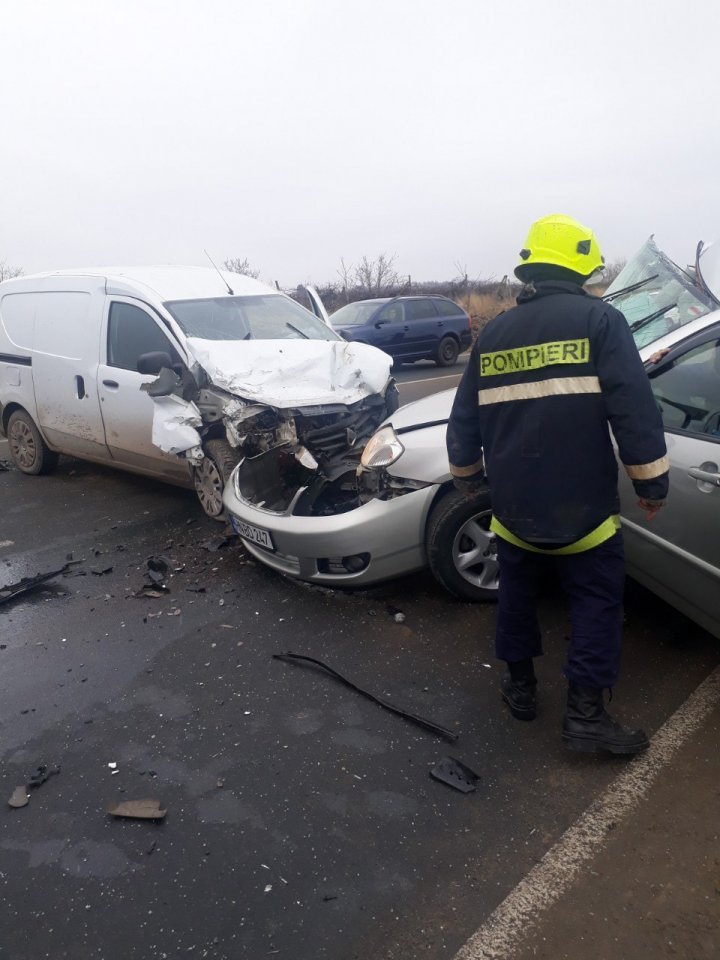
x=518 y=689
x=588 y=727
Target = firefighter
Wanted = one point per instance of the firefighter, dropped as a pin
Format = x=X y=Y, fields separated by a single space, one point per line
x=530 y=419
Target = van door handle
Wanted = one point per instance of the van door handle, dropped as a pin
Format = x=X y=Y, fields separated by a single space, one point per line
x=113 y=384
x=704 y=473
x=80 y=387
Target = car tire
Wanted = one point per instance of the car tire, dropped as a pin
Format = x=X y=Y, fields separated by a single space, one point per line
x=212 y=474
x=447 y=352
x=460 y=548
x=28 y=450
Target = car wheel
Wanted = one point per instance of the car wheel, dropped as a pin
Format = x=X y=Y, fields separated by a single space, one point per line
x=212 y=474
x=28 y=450
x=461 y=549
x=447 y=352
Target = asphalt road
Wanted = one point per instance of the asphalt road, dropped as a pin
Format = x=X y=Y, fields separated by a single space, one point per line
x=301 y=818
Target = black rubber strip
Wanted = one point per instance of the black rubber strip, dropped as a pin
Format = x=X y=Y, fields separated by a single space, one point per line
x=11 y=358
x=413 y=717
x=28 y=583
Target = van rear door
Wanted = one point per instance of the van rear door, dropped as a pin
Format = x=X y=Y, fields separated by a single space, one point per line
x=64 y=314
x=131 y=329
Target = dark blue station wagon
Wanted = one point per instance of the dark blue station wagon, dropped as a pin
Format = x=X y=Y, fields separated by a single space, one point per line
x=408 y=328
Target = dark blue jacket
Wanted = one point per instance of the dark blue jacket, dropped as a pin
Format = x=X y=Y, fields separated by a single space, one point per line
x=542 y=384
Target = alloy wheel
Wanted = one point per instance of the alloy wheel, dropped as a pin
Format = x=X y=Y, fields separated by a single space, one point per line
x=475 y=552
x=209 y=486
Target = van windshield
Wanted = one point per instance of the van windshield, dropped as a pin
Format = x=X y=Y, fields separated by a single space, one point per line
x=264 y=317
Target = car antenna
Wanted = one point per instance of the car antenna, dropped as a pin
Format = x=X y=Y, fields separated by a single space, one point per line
x=230 y=289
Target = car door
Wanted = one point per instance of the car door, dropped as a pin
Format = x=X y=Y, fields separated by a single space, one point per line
x=678 y=553
x=423 y=333
x=389 y=329
x=130 y=330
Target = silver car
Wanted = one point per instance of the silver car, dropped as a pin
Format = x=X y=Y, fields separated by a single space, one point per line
x=396 y=511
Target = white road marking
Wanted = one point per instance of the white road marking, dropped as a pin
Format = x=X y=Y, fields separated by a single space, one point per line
x=513 y=921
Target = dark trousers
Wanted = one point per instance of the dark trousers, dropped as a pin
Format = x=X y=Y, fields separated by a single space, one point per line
x=593 y=582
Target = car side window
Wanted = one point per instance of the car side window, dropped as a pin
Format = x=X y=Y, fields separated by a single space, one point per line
x=392 y=312
x=131 y=333
x=688 y=391
x=446 y=308
x=420 y=309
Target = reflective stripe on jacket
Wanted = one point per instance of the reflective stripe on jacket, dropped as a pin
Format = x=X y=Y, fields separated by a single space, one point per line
x=542 y=384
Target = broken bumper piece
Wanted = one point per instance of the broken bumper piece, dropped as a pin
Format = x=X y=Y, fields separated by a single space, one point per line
x=357 y=547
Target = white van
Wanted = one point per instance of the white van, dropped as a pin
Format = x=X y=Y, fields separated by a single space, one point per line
x=177 y=373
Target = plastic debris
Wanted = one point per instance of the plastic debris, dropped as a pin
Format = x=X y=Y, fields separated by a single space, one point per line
x=100 y=571
x=455 y=774
x=19 y=798
x=28 y=583
x=42 y=773
x=138 y=810
x=3 y=466
x=413 y=717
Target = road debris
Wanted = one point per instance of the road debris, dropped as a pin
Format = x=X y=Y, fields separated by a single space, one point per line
x=138 y=810
x=100 y=571
x=14 y=590
x=3 y=466
x=42 y=774
x=413 y=717
x=396 y=613
x=455 y=774
x=19 y=798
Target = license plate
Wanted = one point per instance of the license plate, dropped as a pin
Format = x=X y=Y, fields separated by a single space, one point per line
x=255 y=534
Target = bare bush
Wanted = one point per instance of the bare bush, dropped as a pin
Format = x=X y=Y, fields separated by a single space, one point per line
x=7 y=272
x=236 y=265
x=376 y=278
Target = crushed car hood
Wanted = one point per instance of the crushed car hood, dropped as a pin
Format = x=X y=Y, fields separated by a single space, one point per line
x=293 y=373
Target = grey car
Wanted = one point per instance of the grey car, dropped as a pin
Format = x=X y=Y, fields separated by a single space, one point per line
x=396 y=511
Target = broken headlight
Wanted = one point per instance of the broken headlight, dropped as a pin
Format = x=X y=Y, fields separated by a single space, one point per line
x=382 y=449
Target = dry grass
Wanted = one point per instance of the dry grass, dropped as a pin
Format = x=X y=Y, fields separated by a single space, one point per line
x=483 y=307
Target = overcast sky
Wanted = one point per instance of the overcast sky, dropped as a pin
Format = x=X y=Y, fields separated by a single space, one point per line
x=297 y=132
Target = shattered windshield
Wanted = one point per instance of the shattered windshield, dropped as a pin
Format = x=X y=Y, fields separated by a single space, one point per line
x=264 y=317
x=355 y=314
x=655 y=295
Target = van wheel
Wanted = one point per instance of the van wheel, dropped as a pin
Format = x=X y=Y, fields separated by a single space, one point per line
x=213 y=473
x=28 y=450
x=460 y=547
x=447 y=352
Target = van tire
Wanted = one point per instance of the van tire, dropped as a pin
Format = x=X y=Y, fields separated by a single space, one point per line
x=460 y=548
x=28 y=450
x=213 y=473
x=447 y=352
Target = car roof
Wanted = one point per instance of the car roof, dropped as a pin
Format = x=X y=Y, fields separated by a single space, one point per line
x=166 y=281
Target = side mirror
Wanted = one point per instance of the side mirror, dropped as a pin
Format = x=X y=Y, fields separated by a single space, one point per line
x=152 y=363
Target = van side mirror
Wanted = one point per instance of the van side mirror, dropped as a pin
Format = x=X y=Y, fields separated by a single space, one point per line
x=152 y=363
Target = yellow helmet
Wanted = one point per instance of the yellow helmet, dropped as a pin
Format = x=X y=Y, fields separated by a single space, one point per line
x=562 y=242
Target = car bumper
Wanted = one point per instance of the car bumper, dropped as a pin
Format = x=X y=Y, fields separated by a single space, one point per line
x=390 y=533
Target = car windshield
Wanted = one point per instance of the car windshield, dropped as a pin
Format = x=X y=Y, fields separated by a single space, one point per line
x=655 y=295
x=264 y=317
x=355 y=314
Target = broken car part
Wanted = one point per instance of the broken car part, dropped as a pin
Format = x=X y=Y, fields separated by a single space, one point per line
x=455 y=774
x=28 y=583
x=138 y=810
x=413 y=717
x=19 y=798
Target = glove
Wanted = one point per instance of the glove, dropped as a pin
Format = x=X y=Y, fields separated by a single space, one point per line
x=471 y=486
